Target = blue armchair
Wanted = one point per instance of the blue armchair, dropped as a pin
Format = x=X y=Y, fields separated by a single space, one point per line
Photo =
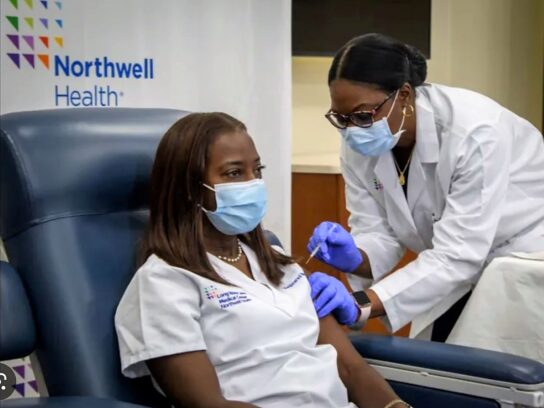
x=73 y=198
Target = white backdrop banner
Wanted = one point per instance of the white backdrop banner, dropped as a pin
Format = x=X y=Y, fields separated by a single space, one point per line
x=207 y=55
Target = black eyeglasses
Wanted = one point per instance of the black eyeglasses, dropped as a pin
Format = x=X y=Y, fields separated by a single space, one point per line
x=363 y=119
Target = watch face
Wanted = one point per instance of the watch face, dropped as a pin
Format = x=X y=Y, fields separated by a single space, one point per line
x=361 y=298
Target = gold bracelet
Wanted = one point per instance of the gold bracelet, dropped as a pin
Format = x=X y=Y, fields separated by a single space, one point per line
x=397 y=401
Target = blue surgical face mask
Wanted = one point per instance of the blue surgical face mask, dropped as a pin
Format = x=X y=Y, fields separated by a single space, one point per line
x=375 y=140
x=240 y=206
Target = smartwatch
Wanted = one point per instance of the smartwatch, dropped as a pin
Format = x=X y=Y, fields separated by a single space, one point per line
x=364 y=304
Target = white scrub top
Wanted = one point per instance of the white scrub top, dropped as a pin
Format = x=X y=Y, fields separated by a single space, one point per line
x=475 y=191
x=261 y=339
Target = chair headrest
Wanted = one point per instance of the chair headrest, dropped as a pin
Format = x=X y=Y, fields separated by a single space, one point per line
x=51 y=166
x=17 y=332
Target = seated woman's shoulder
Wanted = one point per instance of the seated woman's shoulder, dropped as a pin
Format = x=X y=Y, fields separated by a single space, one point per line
x=154 y=266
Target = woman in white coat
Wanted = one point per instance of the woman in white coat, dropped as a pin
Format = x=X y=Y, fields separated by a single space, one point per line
x=444 y=172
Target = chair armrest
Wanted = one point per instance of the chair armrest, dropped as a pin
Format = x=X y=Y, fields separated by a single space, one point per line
x=490 y=365
x=17 y=331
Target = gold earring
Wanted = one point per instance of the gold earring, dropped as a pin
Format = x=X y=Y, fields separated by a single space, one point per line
x=405 y=113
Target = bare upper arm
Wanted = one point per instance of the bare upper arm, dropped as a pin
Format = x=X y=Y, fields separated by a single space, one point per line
x=365 y=386
x=330 y=332
x=188 y=379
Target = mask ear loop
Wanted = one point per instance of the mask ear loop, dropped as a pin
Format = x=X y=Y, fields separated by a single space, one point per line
x=402 y=122
x=200 y=205
x=392 y=105
x=405 y=114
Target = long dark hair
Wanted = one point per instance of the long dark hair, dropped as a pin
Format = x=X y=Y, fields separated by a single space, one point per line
x=175 y=231
x=380 y=60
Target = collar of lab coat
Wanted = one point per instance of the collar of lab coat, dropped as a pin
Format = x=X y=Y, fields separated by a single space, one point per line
x=427 y=147
x=259 y=286
x=426 y=152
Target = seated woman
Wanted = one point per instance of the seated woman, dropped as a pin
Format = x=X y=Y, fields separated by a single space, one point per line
x=216 y=315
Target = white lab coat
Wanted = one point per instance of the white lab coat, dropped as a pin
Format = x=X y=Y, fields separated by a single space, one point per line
x=261 y=339
x=475 y=188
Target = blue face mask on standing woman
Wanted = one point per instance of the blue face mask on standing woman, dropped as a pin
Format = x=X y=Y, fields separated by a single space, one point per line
x=241 y=206
x=375 y=140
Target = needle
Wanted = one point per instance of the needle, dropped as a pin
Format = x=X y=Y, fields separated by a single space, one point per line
x=314 y=251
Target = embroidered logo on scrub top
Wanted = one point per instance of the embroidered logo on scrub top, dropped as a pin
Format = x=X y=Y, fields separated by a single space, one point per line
x=377 y=184
x=294 y=281
x=210 y=292
x=226 y=299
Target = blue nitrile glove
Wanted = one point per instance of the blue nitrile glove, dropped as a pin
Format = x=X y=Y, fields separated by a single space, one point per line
x=337 y=247
x=330 y=295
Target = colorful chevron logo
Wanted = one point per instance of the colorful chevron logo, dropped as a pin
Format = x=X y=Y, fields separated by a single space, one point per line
x=33 y=39
x=29 y=40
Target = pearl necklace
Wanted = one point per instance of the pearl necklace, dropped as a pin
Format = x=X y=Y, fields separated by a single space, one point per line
x=236 y=258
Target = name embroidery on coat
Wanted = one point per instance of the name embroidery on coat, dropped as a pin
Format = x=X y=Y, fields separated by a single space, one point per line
x=294 y=281
x=226 y=299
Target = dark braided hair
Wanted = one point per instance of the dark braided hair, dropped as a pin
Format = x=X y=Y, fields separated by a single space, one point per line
x=380 y=60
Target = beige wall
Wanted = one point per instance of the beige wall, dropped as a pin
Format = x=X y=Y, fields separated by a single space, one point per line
x=495 y=47
x=312 y=133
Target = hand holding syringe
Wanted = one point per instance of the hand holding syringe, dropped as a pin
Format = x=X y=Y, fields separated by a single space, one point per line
x=314 y=251
x=333 y=245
